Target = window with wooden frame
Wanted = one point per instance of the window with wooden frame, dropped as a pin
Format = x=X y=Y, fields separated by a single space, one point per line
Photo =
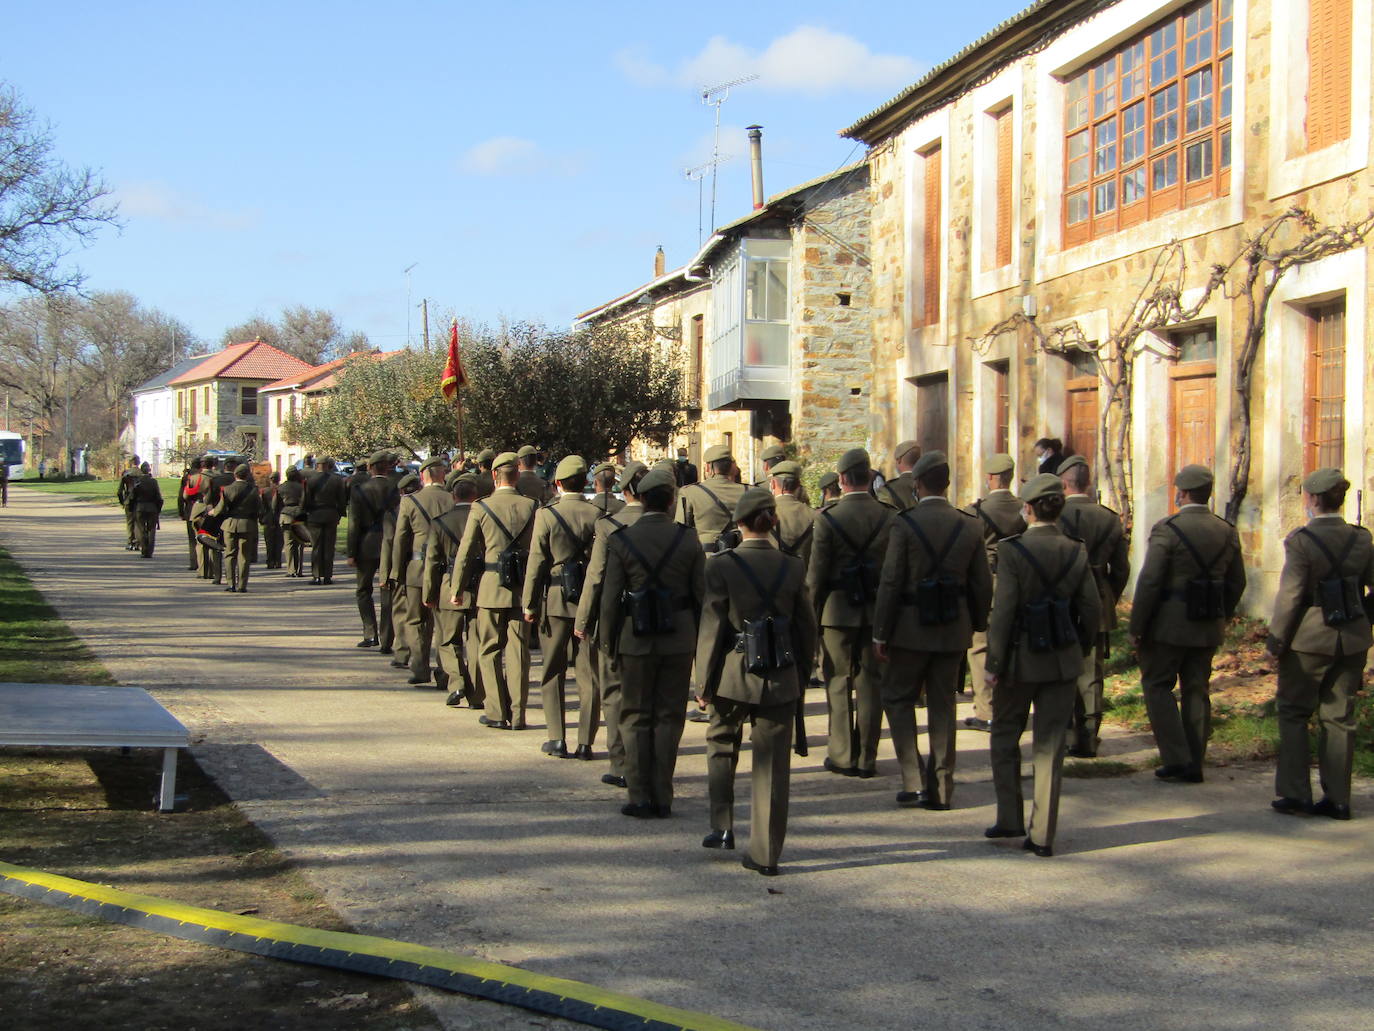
x=1329 y=56
x=248 y=400
x=1001 y=252
x=928 y=312
x=999 y=394
x=1147 y=127
x=205 y=399
x=1324 y=421
x=279 y=411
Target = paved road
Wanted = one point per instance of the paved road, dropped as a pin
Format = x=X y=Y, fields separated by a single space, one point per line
x=1168 y=907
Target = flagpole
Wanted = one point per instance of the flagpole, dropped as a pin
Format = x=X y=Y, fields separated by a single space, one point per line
x=458 y=406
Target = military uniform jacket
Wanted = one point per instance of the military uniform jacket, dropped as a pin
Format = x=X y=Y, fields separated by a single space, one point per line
x=1009 y=653
x=240 y=504
x=413 y=521
x=796 y=529
x=126 y=486
x=1159 y=612
x=184 y=502
x=550 y=547
x=899 y=493
x=731 y=598
x=483 y=542
x=957 y=542
x=368 y=503
x=441 y=555
x=290 y=499
x=607 y=504
x=485 y=484
x=708 y=507
x=682 y=575
x=532 y=485
x=589 y=607
x=1100 y=530
x=145 y=495
x=1000 y=514
x=862 y=520
x=325 y=498
x=1297 y=624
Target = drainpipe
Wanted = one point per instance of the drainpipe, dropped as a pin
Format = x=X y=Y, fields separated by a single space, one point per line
x=756 y=162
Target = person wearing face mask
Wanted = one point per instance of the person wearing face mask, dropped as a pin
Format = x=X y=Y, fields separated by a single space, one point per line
x=1049 y=452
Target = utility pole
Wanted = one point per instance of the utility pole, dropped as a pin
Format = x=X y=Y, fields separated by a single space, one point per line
x=424 y=307
x=406 y=272
x=71 y=466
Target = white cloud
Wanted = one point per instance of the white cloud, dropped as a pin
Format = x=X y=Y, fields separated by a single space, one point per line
x=514 y=155
x=158 y=200
x=808 y=59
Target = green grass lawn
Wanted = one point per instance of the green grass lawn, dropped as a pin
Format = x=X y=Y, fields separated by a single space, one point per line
x=102 y=491
x=37 y=647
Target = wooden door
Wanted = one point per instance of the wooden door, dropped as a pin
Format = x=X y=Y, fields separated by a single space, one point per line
x=932 y=413
x=1193 y=422
x=1081 y=436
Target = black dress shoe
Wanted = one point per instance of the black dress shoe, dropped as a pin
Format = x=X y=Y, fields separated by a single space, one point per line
x=974 y=723
x=1335 y=810
x=767 y=871
x=615 y=780
x=583 y=752
x=328 y=581
x=719 y=839
x=454 y=699
x=1003 y=832
x=314 y=581
x=1043 y=851
x=419 y=680
x=663 y=812
x=518 y=725
x=639 y=810
x=486 y=721
x=936 y=806
x=911 y=799
x=843 y=771
x=1082 y=753
x=386 y=651
x=230 y=590
x=398 y=664
x=863 y=774
x=1183 y=774
x=1291 y=806
x=367 y=642
x=558 y=749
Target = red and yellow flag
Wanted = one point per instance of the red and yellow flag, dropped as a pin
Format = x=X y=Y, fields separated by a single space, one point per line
x=454 y=377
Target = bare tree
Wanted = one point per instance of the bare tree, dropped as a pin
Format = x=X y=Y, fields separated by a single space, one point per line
x=313 y=335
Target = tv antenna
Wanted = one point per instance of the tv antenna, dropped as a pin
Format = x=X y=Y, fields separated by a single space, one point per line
x=715 y=96
x=698 y=176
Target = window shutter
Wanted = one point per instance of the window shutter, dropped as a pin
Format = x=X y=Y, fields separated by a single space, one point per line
x=1329 y=52
x=1004 y=197
x=930 y=313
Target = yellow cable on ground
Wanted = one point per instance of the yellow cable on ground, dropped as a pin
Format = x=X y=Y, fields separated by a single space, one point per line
x=556 y=996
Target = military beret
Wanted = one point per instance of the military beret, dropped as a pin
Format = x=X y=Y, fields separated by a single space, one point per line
x=829 y=480
x=382 y=458
x=788 y=468
x=503 y=459
x=430 y=463
x=1071 y=462
x=1192 y=477
x=930 y=460
x=656 y=478
x=628 y=474
x=752 y=502
x=996 y=465
x=597 y=470
x=572 y=465
x=454 y=475
x=717 y=453
x=462 y=478
x=773 y=452
x=668 y=466
x=409 y=479
x=485 y=455
x=527 y=451
x=905 y=448
x=1323 y=480
x=1041 y=486
x=852 y=459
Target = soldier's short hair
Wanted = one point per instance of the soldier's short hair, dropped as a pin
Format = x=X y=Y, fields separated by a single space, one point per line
x=241 y=472
x=722 y=467
x=857 y=475
x=574 y=484
x=1003 y=480
x=1334 y=499
x=1077 y=476
x=209 y=462
x=605 y=478
x=657 y=499
x=761 y=522
x=787 y=484
x=1047 y=508
x=935 y=479
x=507 y=474
x=1198 y=495
x=293 y=474
x=464 y=490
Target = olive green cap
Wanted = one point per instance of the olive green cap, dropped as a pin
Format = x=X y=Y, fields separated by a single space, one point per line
x=528 y=451
x=1193 y=477
x=453 y=477
x=788 y=468
x=752 y=502
x=627 y=475
x=852 y=459
x=570 y=466
x=1071 y=462
x=382 y=458
x=829 y=480
x=485 y=455
x=430 y=463
x=1041 y=486
x=930 y=460
x=505 y=458
x=717 y=453
x=997 y=464
x=1322 y=480
x=456 y=478
x=904 y=449
x=668 y=466
x=408 y=480
x=656 y=478
x=772 y=453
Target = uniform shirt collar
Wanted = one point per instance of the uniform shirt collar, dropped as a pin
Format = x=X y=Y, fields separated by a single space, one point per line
x=999 y=490
x=1041 y=526
x=1191 y=504
x=932 y=497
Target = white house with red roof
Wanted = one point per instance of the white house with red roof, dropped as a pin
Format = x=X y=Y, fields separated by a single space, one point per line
x=294 y=394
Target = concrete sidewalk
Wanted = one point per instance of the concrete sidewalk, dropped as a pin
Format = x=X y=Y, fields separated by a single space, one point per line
x=1167 y=906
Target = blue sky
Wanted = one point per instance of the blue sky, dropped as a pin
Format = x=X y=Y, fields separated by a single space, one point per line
x=527 y=158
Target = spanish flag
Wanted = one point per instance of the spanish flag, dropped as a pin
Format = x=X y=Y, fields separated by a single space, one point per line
x=454 y=377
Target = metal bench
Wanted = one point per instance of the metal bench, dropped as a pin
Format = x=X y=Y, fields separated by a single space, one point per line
x=81 y=716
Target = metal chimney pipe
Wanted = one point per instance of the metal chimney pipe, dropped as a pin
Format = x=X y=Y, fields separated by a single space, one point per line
x=756 y=162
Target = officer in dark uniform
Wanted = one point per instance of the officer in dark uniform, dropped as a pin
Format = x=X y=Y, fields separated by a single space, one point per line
x=530 y=483
x=325 y=504
x=185 y=502
x=272 y=539
x=219 y=480
x=368 y=503
x=145 y=501
x=900 y=492
x=239 y=506
x=291 y=516
x=454 y=641
x=392 y=571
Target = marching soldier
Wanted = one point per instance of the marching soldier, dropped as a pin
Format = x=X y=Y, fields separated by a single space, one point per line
x=588 y=626
x=1100 y=530
x=708 y=506
x=530 y=483
x=1188 y=587
x=935 y=591
x=900 y=492
x=1044 y=619
x=368 y=503
x=326 y=500
x=392 y=570
x=485 y=484
x=1000 y=513
x=271 y=527
x=1321 y=635
x=794 y=522
x=239 y=505
x=210 y=488
x=770 y=457
x=291 y=516
x=495 y=547
x=186 y=499
x=559 y=554
x=846 y=558
x=413 y=521
x=650 y=603
x=145 y=501
x=760 y=592
x=603 y=482
x=453 y=635
x=123 y=493
x=830 y=489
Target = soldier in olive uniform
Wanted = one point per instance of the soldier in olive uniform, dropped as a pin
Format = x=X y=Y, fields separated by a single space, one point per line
x=654 y=580
x=239 y=505
x=708 y=506
x=291 y=516
x=392 y=571
x=368 y=504
x=1100 y=530
x=846 y=558
x=272 y=539
x=830 y=489
x=900 y=492
x=530 y=483
x=935 y=591
x=588 y=627
x=485 y=484
x=603 y=482
x=770 y=457
x=184 y=504
x=1000 y=514
x=214 y=551
x=123 y=492
x=1044 y=619
x=500 y=525
x=561 y=549
x=413 y=521
x=1321 y=635
x=145 y=501
x=795 y=523
x=1189 y=586
x=454 y=640
x=758 y=588
x=325 y=503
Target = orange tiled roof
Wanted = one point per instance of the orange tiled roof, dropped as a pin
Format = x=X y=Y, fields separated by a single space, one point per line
x=251 y=360
x=320 y=377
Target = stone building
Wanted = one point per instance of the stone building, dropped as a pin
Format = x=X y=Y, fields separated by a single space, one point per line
x=1043 y=169
x=290 y=395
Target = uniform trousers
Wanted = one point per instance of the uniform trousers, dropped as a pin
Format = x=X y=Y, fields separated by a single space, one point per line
x=1087 y=703
x=1011 y=705
x=241 y=550
x=653 y=710
x=272 y=543
x=131 y=527
x=608 y=684
x=557 y=645
x=386 y=629
x=323 y=537
x=1324 y=685
x=212 y=563
x=451 y=638
x=504 y=662
x=908 y=674
x=192 y=547
x=771 y=740
x=419 y=631
x=398 y=620
x=145 y=527
x=1181 y=730
x=296 y=539
x=365 y=574
x=977 y=667
x=850 y=652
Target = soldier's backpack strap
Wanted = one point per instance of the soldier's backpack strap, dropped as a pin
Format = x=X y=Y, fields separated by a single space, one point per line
x=1048 y=583
x=897 y=502
x=421 y=509
x=578 y=542
x=497 y=520
x=766 y=595
x=991 y=523
x=859 y=552
x=1204 y=566
x=730 y=516
x=654 y=570
x=937 y=559
x=1336 y=563
x=795 y=547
